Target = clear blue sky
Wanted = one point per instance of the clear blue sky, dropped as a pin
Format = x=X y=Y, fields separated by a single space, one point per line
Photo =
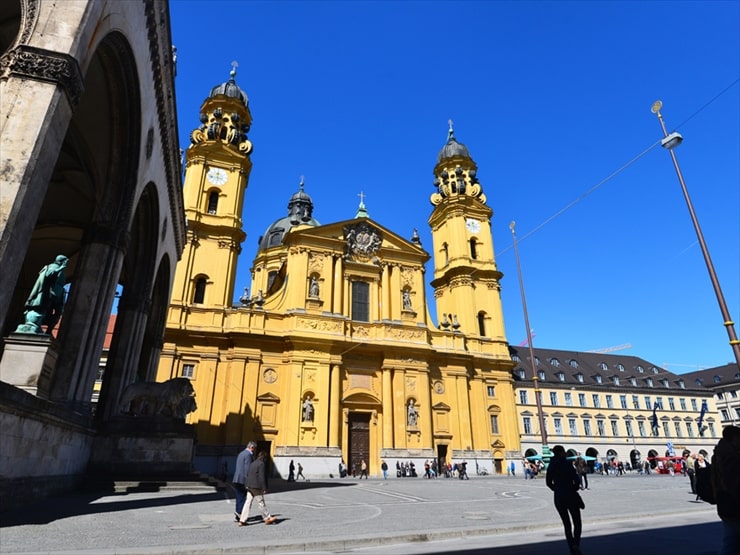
x=551 y=98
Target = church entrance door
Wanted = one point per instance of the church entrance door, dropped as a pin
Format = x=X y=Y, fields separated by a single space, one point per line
x=359 y=440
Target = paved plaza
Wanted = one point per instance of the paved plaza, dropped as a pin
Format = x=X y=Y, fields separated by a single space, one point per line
x=484 y=515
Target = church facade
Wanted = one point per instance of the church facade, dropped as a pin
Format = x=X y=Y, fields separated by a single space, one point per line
x=333 y=356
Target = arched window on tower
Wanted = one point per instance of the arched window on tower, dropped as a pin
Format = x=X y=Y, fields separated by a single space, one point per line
x=199 y=294
x=482 y=324
x=473 y=251
x=212 y=202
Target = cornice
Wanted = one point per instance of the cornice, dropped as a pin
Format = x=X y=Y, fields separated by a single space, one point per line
x=39 y=64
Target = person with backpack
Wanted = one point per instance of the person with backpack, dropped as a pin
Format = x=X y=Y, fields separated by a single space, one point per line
x=725 y=481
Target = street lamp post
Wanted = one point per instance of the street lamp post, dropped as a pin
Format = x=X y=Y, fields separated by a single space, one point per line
x=669 y=142
x=535 y=379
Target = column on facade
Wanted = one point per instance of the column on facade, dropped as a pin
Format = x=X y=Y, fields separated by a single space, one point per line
x=337 y=286
x=399 y=408
x=463 y=411
x=335 y=406
x=388 y=441
x=385 y=293
x=426 y=424
x=396 y=303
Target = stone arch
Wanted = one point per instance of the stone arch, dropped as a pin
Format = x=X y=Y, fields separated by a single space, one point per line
x=11 y=14
x=97 y=170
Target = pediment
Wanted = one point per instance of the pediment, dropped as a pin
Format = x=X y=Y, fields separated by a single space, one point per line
x=268 y=397
x=334 y=237
x=498 y=444
x=441 y=407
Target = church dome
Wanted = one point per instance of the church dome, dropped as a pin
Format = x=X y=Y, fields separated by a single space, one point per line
x=231 y=89
x=452 y=148
x=300 y=212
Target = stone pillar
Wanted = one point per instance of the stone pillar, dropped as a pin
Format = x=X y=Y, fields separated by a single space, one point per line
x=86 y=315
x=335 y=414
x=385 y=292
x=337 y=286
x=388 y=416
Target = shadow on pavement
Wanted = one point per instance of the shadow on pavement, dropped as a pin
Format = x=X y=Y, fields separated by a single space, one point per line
x=83 y=503
x=662 y=540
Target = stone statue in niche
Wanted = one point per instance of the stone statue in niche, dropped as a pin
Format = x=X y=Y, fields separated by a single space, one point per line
x=45 y=304
x=307 y=414
x=313 y=289
x=406 y=299
x=412 y=418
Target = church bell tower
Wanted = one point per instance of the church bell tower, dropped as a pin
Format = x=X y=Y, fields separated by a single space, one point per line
x=217 y=167
x=466 y=280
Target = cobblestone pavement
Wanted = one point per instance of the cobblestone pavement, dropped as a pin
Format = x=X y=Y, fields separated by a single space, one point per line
x=493 y=515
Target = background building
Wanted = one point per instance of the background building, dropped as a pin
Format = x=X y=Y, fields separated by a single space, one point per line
x=724 y=383
x=602 y=405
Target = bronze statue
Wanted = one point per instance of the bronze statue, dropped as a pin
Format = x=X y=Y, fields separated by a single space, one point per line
x=45 y=304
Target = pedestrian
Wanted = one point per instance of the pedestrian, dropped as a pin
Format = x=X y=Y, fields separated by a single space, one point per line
x=563 y=479
x=384 y=468
x=463 y=470
x=363 y=469
x=291 y=472
x=300 y=472
x=701 y=473
x=512 y=466
x=726 y=487
x=256 y=489
x=689 y=464
x=582 y=468
x=243 y=462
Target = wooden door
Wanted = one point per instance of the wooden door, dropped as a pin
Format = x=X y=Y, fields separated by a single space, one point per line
x=359 y=440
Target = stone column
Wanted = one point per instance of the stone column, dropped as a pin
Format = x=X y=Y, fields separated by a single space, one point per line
x=388 y=416
x=335 y=411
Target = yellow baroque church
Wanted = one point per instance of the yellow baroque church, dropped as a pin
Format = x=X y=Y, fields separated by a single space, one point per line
x=333 y=356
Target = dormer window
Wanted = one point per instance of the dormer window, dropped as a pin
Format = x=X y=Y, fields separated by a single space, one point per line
x=541 y=374
x=665 y=383
x=603 y=366
x=537 y=360
x=654 y=370
x=560 y=376
x=681 y=384
x=598 y=378
x=555 y=362
x=698 y=382
x=515 y=358
x=640 y=369
x=717 y=379
x=521 y=373
x=633 y=381
x=579 y=377
x=650 y=382
x=737 y=376
x=620 y=367
x=615 y=379
x=573 y=363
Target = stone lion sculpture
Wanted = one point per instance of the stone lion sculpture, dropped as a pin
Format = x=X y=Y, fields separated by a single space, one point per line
x=175 y=398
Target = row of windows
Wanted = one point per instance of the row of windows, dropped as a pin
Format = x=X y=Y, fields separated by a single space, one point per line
x=603 y=365
x=601 y=428
x=600 y=379
x=625 y=401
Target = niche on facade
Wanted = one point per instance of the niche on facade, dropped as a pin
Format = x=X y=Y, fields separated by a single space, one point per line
x=267 y=407
x=441 y=412
x=308 y=410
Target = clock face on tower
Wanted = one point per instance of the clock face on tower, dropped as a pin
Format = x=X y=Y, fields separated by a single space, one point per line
x=217 y=176
x=473 y=225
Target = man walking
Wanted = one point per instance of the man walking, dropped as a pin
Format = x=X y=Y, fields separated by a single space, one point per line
x=243 y=462
x=563 y=479
x=256 y=489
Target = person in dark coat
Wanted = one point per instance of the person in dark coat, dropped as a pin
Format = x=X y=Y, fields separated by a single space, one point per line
x=726 y=486
x=256 y=489
x=562 y=478
x=243 y=462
